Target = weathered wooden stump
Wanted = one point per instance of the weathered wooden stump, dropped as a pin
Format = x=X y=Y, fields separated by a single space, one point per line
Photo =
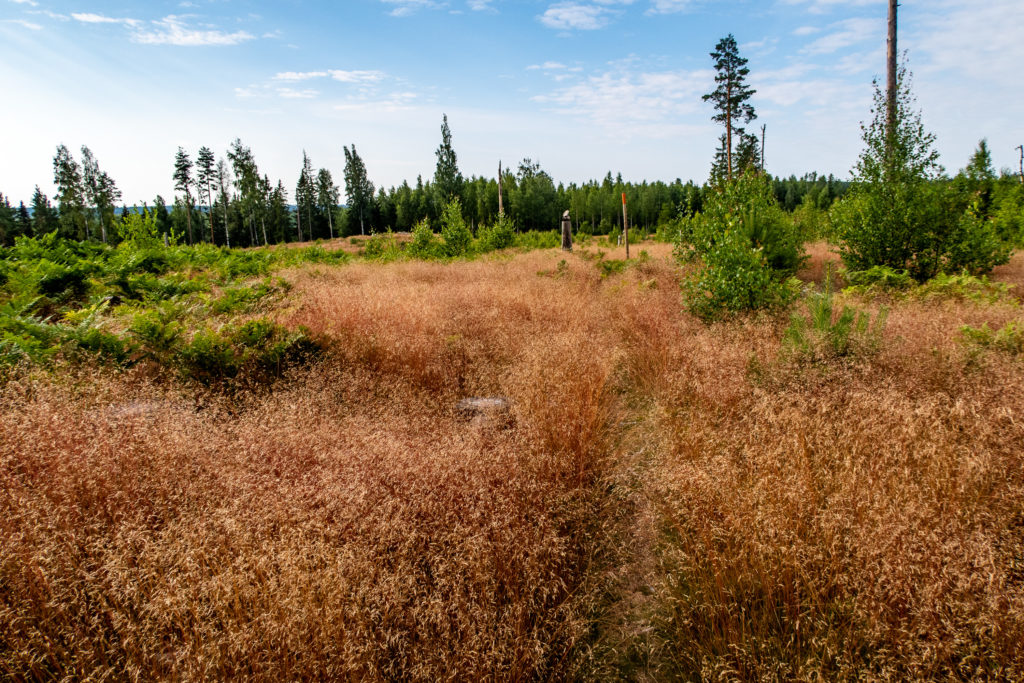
x=566 y=232
x=494 y=411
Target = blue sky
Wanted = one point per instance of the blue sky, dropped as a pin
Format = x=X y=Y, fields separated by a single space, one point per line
x=583 y=86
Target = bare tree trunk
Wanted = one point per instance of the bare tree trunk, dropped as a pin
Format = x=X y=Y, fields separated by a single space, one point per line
x=501 y=204
x=728 y=135
x=330 y=223
x=1021 y=148
x=209 y=208
x=298 y=220
x=263 y=224
x=891 y=84
x=763 y=129
x=625 y=225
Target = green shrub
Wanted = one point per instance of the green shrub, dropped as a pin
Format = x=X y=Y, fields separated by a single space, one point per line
x=455 y=234
x=1009 y=339
x=501 y=235
x=899 y=213
x=424 y=243
x=826 y=333
x=536 y=239
x=748 y=247
x=382 y=246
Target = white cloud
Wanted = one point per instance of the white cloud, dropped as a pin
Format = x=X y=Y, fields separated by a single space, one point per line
x=547 y=66
x=806 y=31
x=90 y=18
x=403 y=8
x=356 y=76
x=299 y=75
x=822 y=6
x=668 y=6
x=289 y=93
x=848 y=33
x=172 y=30
x=633 y=102
x=570 y=15
x=24 y=24
x=30 y=3
x=481 y=5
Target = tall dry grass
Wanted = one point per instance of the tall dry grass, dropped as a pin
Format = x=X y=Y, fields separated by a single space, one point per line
x=672 y=500
x=347 y=524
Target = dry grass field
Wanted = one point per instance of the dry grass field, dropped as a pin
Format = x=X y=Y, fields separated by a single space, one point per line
x=669 y=499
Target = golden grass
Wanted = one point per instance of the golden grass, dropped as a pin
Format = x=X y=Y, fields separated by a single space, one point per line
x=662 y=507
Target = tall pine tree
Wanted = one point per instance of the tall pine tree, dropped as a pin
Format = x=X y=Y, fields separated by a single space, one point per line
x=731 y=95
x=183 y=184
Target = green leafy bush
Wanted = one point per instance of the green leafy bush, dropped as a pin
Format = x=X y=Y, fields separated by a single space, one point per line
x=382 y=246
x=501 y=235
x=424 y=243
x=455 y=234
x=898 y=213
x=748 y=247
x=537 y=239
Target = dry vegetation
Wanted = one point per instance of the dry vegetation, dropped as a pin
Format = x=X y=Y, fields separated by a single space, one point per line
x=672 y=500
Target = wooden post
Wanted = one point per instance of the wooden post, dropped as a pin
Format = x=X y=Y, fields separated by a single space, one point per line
x=566 y=232
x=625 y=225
x=892 y=59
x=501 y=205
x=1021 y=148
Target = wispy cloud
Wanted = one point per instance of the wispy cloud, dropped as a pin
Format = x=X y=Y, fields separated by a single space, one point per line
x=848 y=33
x=299 y=75
x=30 y=3
x=669 y=6
x=24 y=24
x=91 y=18
x=481 y=5
x=633 y=101
x=289 y=93
x=822 y=6
x=172 y=30
x=404 y=8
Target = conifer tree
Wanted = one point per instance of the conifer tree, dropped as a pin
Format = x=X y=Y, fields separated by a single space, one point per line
x=67 y=176
x=183 y=184
x=358 y=187
x=44 y=219
x=204 y=182
x=447 y=178
x=327 y=194
x=731 y=95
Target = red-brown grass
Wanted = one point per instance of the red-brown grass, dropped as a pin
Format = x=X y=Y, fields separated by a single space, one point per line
x=670 y=500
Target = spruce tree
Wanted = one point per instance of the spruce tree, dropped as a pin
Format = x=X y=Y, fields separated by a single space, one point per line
x=67 y=176
x=204 y=182
x=44 y=220
x=447 y=178
x=183 y=184
x=327 y=196
x=358 y=187
x=731 y=95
